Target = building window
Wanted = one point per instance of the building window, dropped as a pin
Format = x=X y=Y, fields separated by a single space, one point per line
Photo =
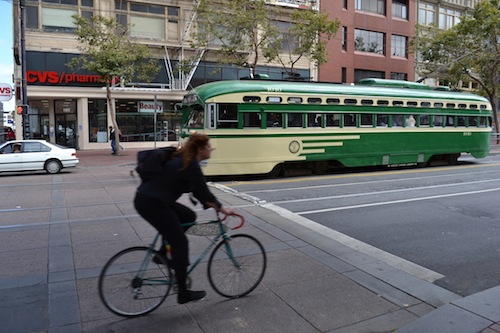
x=373 y=6
x=98 y=120
x=288 y=42
x=344 y=38
x=398 y=46
x=369 y=41
x=31 y=17
x=56 y=15
x=60 y=20
x=344 y=75
x=400 y=9
x=361 y=74
x=148 y=20
x=344 y=4
x=62 y=2
x=399 y=76
x=448 y=18
x=426 y=14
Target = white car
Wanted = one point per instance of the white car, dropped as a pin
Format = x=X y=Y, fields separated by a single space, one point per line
x=24 y=155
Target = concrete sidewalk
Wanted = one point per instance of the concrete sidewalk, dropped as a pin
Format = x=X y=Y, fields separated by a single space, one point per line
x=68 y=225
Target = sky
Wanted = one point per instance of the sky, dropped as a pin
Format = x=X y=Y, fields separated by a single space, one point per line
x=6 y=54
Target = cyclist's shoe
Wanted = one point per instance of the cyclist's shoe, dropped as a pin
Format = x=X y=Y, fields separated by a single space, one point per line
x=190 y=295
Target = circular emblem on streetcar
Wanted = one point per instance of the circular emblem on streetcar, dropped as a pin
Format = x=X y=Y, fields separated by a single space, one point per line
x=294 y=147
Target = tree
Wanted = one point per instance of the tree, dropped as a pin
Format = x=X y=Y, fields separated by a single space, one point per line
x=249 y=30
x=107 y=51
x=468 y=51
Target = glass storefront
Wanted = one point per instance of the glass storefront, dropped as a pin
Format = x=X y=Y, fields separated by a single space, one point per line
x=39 y=119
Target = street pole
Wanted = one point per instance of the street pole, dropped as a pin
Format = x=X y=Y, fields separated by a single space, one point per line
x=24 y=93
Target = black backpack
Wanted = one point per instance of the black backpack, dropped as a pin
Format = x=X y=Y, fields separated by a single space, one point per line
x=150 y=163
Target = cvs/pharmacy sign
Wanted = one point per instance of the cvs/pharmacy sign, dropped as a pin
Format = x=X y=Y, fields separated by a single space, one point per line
x=6 y=92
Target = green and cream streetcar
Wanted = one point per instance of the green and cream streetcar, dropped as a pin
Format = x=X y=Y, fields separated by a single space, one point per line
x=263 y=126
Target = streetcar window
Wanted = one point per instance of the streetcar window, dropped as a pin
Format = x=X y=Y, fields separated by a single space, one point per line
x=366 y=102
x=438 y=104
x=450 y=105
x=195 y=119
x=412 y=103
x=438 y=121
x=397 y=103
x=472 y=121
x=273 y=99
x=314 y=120
x=450 y=121
x=424 y=120
x=333 y=120
x=382 y=120
x=397 y=120
x=473 y=106
x=461 y=121
x=274 y=119
x=482 y=122
x=314 y=100
x=251 y=99
x=294 y=100
x=349 y=120
x=295 y=120
x=425 y=104
x=410 y=121
x=251 y=119
x=333 y=101
x=482 y=107
x=350 y=101
x=462 y=106
x=382 y=102
x=367 y=120
x=228 y=116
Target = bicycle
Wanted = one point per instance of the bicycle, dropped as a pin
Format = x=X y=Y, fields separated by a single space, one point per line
x=136 y=281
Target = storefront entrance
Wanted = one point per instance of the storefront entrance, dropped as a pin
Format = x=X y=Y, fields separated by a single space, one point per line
x=66 y=123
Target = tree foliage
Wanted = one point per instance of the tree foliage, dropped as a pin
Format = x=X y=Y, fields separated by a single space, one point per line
x=107 y=51
x=246 y=31
x=470 y=51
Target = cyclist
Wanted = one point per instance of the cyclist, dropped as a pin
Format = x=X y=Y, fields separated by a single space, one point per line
x=155 y=201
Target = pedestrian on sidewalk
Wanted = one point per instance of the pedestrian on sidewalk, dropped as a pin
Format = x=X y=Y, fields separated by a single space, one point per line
x=10 y=134
x=112 y=138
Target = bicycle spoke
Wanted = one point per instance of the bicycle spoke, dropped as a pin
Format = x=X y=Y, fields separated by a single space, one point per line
x=131 y=284
x=237 y=266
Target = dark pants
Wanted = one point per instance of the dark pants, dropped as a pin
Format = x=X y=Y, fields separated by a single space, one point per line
x=167 y=220
x=113 y=146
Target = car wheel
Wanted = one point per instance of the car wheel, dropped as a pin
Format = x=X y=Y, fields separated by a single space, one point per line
x=53 y=166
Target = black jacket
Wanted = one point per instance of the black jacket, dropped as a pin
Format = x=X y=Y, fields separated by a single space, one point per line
x=174 y=182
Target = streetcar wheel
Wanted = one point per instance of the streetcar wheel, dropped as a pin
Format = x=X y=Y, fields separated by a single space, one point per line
x=131 y=284
x=236 y=266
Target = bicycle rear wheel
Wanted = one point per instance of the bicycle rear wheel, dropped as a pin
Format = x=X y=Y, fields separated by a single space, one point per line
x=236 y=266
x=131 y=284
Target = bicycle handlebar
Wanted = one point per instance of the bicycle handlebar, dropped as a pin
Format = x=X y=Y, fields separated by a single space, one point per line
x=242 y=219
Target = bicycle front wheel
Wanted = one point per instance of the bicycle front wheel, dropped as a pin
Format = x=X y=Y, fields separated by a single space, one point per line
x=236 y=266
x=132 y=284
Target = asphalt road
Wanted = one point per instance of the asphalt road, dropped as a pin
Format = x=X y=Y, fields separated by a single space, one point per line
x=446 y=219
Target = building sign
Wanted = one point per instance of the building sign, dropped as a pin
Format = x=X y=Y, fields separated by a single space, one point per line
x=5 y=92
x=63 y=78
x=149 y=106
